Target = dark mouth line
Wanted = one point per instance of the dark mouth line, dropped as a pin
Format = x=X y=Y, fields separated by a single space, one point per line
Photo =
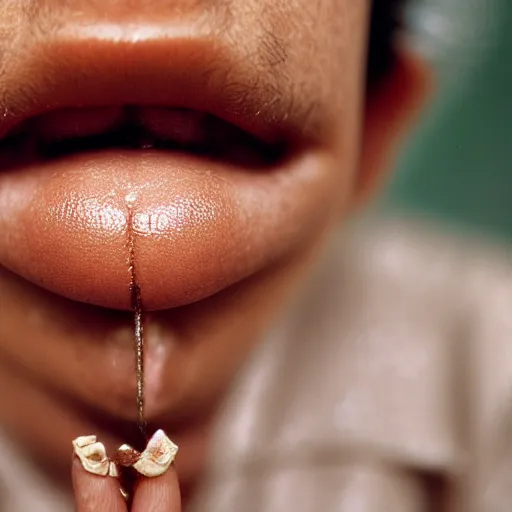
x=223 y=141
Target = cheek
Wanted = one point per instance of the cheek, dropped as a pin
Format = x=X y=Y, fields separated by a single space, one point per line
x=326 y=61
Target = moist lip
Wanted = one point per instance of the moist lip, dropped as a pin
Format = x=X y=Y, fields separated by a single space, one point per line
x=204 y=219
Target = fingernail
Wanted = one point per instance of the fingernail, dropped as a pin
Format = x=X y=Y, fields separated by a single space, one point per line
x=92 y=455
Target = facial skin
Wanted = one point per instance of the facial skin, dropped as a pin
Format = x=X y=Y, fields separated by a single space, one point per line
x=235 y=240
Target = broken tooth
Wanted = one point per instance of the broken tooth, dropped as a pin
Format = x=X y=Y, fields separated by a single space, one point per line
x=154 y=461
x=127 y=456
x=112 y=470
x=92 y=455
x=159 y=454
x=83 y=441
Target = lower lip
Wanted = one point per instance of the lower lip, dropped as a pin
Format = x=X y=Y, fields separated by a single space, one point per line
x=196 y=226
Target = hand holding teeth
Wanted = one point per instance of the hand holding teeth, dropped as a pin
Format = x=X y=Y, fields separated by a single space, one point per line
x=154 y=461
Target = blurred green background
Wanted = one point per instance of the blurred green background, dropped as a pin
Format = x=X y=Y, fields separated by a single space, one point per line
x=457 y=166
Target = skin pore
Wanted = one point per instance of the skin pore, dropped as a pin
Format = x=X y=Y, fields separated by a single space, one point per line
x=287 y=70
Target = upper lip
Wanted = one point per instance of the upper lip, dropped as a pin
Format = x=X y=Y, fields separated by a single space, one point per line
x=74 y=67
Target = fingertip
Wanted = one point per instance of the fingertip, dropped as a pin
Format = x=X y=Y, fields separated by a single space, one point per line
x=158 y=494
x=96 y=493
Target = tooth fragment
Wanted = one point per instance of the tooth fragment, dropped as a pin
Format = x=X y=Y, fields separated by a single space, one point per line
x=112 y=470
x=127 y=456
x=124 y=494
x=84 y=441
x=92 y=455
x=159 y=454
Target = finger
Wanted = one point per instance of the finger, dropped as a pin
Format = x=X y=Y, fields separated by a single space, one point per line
x=96 y=493
x=158 y=494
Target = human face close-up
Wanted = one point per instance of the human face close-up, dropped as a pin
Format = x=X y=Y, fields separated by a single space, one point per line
x=201 y=149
